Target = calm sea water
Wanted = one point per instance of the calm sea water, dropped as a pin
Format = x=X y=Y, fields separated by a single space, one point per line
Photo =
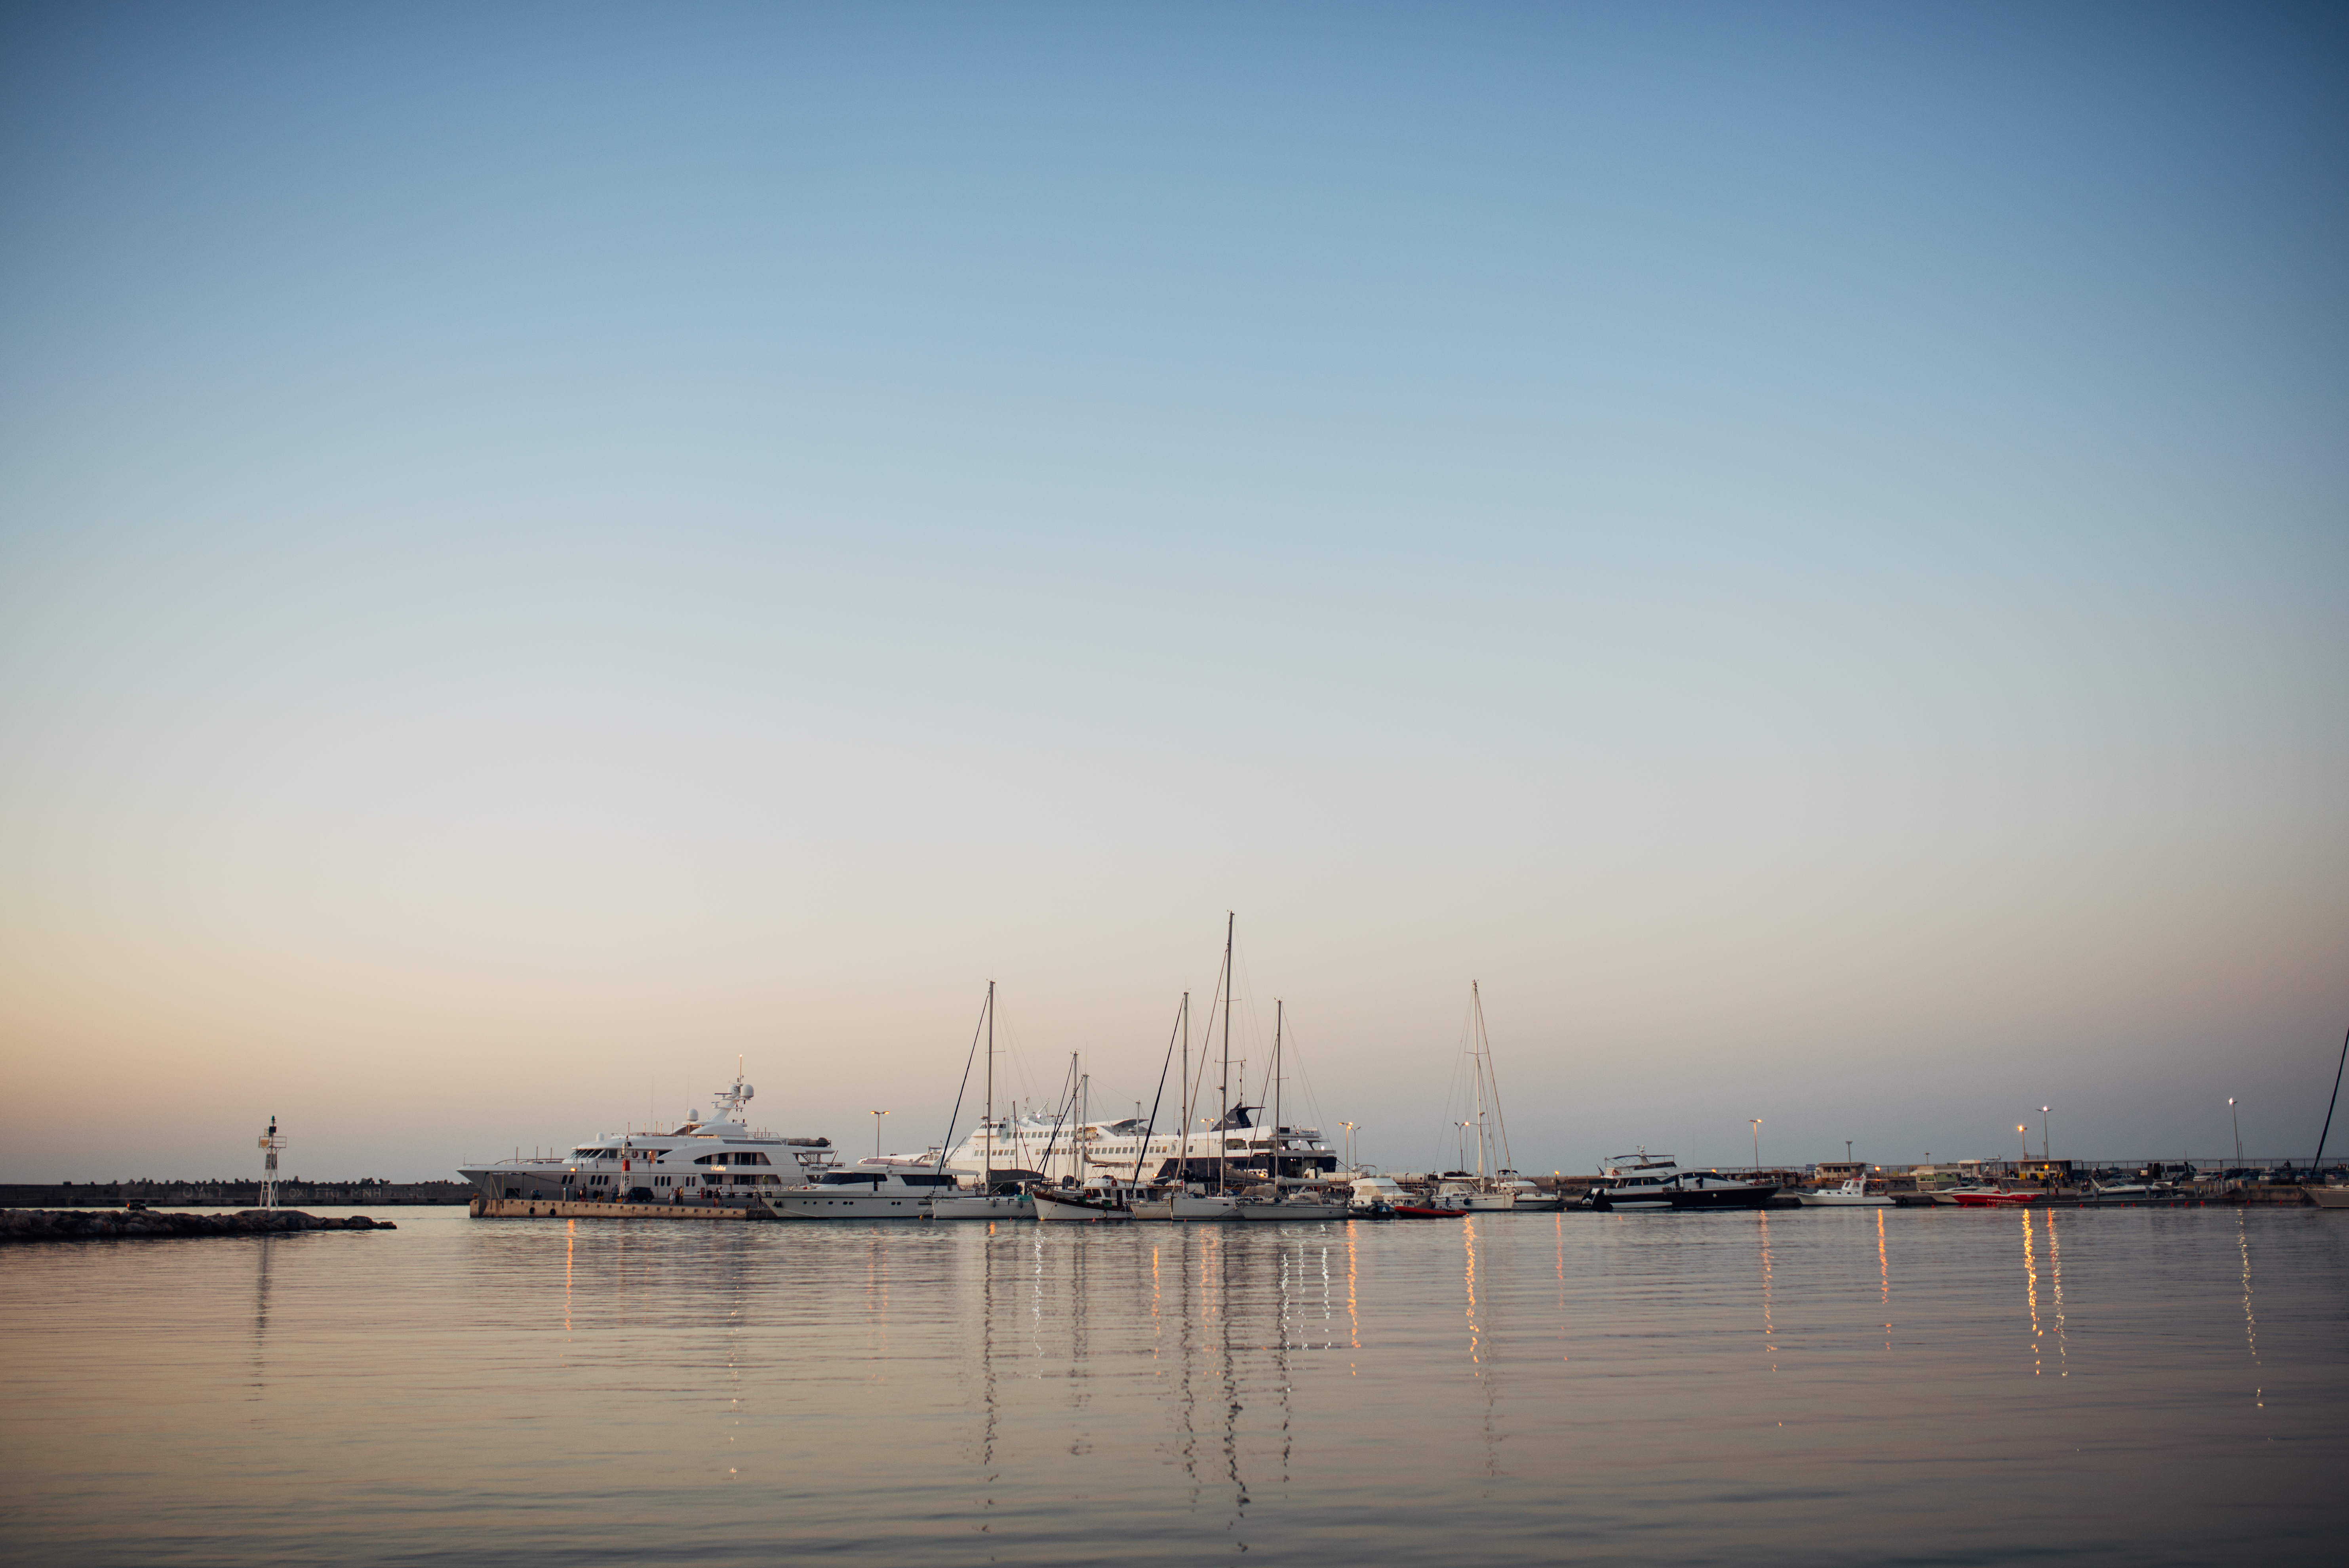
x=1857 y=1386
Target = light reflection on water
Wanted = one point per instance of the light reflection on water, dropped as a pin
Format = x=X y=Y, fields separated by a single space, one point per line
x=1510 y=1387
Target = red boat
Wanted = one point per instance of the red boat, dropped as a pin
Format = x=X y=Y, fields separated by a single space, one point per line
x=1412 y=1212
x=1988 y=1200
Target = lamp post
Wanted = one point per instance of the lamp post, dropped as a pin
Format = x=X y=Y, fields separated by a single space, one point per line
x=1757 y=1140
x=1350 y=1144
x=2236 y=1116
x=876 y=1132
x=1464 y=1127
x=2024 y=1133
x=2043 y=1132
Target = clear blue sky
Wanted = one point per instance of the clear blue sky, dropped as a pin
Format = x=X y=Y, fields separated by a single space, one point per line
x=542 y=547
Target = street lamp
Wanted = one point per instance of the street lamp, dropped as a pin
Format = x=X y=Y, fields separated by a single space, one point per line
x=2237 y=1118
x=1464 y=1127
x=2043 y=1132
x=1757 y=1140
x=1350 y=1144
x=876 y=1132
x=2024 y=1133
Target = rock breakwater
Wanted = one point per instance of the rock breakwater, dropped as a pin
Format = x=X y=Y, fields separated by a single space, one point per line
x=84 y=1224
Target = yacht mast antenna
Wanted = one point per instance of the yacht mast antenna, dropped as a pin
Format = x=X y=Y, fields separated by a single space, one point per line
x=270 y=1144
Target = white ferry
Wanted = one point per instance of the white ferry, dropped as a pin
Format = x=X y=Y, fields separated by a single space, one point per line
x=714 y=1158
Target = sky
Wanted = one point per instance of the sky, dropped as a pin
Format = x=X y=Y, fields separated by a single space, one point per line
x=545 y=548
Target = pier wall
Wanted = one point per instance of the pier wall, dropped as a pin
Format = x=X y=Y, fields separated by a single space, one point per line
x=231 y=1194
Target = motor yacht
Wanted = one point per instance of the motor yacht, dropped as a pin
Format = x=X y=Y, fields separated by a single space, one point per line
x=1645 y=1181
x=862 y=1191
x=713 y=1159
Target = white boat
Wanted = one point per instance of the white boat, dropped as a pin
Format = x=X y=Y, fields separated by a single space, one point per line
x=1375 y=1194
x=1472 y=1195
x=1852 y=1194
x=1296 y=1205
x=862 y=1191
x=2328 y=1197
x=717 y=1159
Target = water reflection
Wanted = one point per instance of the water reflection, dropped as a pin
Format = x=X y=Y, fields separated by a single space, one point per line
x=2031 y=1293
x=1884 y=1278
x=1769 y=1327
x=2250 y=1319
x=2055 y=1272
x=261 y=1315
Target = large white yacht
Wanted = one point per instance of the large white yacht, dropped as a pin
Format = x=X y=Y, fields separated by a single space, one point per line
x=714 y=1158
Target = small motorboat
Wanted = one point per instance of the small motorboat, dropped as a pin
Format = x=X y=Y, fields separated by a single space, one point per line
x=1995 y=1197
x=1852 y=1194
x=1420 y=1211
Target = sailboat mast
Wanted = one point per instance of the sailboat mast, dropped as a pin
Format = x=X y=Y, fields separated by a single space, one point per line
x=1183 y=1144
x=1224 y=1138
x=987 y=1159
x=1276 y=1095
x=1476 y=1047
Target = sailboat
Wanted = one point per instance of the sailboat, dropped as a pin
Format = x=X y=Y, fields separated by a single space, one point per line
x=985 y=1203
x=1183 y=1203
x=1494 y=1184
x=1097 y=1200
x=1287 y=1205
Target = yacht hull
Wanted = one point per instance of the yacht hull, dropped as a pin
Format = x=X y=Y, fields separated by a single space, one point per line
x=830 y=1204
x=980 y=1206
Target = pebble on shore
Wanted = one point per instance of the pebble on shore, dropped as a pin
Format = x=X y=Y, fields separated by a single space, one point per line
x=106 y=1224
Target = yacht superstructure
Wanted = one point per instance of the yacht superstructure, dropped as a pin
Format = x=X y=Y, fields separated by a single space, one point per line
x=714 y=1158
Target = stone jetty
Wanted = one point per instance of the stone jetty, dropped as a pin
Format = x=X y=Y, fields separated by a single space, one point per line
x=84 y=1224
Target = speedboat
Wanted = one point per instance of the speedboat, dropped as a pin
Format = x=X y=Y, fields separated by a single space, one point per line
x=1995 y=1197
x=714 y=1159
x=2137 y=1194
x=1647 y=1181
x=1852 y=1194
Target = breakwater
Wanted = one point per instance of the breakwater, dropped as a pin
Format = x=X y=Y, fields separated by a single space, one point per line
x=232 y=1194
x=76 y=1225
